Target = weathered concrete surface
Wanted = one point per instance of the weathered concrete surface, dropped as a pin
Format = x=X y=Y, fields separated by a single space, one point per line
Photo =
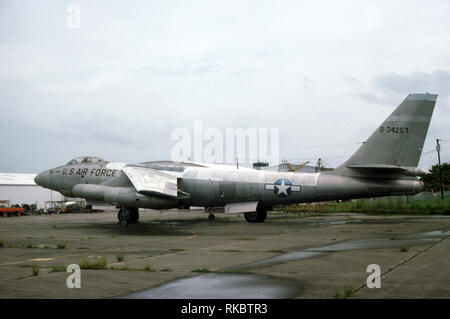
x=170 y=245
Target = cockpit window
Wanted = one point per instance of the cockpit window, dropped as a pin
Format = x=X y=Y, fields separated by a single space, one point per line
x=86 y=159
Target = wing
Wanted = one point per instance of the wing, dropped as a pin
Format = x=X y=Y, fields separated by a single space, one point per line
x=149 y=181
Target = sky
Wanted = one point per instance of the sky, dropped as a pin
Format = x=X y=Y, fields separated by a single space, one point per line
x=114 y=79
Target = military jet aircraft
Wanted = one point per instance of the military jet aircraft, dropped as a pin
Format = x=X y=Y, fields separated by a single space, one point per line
x=384 y=165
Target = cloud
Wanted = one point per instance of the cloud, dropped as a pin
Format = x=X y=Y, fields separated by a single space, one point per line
x=117 y=86
x=393 y=86
x=419 y=82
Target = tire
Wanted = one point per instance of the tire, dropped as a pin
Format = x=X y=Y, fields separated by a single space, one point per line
x=256 y=217
x=134 y=215
x=124 y=216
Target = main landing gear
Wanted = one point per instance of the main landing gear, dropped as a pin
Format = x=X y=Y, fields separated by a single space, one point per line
x=211 y=215
x=256 y=217
x=128 y=215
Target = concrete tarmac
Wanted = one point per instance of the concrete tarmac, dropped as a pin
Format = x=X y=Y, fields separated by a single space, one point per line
x=181 y=254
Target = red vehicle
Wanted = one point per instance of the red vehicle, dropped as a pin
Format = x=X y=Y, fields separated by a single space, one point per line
x=7 y=211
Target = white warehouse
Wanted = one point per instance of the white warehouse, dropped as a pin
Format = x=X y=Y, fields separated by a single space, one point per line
x=21 y=189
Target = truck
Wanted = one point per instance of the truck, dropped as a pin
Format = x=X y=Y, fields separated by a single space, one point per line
x=7 y=210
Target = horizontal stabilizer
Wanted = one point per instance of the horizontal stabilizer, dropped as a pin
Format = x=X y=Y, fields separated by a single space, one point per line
x=148 y=181
x=409 y=171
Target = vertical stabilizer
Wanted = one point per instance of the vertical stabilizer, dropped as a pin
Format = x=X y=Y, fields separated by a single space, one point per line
x=399 y=140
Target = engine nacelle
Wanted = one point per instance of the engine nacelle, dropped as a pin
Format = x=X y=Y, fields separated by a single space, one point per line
x=122 y=196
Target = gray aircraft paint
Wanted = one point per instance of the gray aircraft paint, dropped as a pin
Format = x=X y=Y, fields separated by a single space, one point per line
x=385 y=165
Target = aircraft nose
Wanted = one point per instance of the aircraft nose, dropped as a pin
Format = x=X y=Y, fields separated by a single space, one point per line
x=41 y=179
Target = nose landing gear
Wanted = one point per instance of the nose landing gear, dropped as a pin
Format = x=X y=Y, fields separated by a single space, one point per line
x=128 y=215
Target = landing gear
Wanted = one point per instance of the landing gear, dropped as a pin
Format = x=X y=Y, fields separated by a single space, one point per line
x=211 y=215
x=256 y=217
x=127 y=215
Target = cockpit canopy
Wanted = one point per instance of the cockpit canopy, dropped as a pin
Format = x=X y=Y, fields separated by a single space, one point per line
x=86 y=160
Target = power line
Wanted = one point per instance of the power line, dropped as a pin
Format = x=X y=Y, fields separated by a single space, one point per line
x=321 y=145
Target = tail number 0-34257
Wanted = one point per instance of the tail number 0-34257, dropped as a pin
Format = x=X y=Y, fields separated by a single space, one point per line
x=394 y=129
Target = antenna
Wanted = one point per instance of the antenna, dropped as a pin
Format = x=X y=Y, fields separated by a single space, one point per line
x=438 y=149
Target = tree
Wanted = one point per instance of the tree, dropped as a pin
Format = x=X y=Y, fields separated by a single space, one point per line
x=431 y=181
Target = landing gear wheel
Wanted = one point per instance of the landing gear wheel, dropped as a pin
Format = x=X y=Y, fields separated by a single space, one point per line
x=211 y=216
x=256 y=217
x=251 y=217
x=124 y=217
x=134 y=215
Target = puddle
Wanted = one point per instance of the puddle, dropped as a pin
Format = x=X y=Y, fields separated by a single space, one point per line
x=435 y=233
x=297 y=255
x=221 y=286
x=241 y=286
x=338 y=222
x=102 y=222
x=364 y=244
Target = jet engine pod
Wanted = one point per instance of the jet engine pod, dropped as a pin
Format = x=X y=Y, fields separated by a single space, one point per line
x=122 y=196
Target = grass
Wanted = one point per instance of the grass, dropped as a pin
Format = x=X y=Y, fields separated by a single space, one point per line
x=203 y=270
x=2 y=244
x=404 y=249
x=61 y=245
x=58 y=269
x=235 y=271
x=382 y=205
x=35 y=270
x=148 y=268
x=348 y=292
x=176 y=249
x=165 y=270
x=98 y=264
x=119 y=257
x=246 y=238
x=30 y=245
x=126 y=268
x=337 y=295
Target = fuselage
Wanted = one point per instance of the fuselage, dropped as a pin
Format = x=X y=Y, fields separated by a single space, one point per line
x=218 y=185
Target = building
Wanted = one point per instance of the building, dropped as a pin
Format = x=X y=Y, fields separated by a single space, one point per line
x=21 y=189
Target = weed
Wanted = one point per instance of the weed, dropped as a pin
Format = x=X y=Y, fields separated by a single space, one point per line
x=35 y=270
x=348 y=292
x=148 y=268
x=30 y=245
x=235 y=271
x=203 y=270
x=61 y=245
x=87 y=264
x=165 y=270
x=58 y=269
x=337 y=295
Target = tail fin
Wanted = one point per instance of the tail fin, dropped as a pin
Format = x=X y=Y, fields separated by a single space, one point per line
x=399 y=140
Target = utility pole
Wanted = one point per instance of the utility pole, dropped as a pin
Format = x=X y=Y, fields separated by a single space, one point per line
x=438 y=149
